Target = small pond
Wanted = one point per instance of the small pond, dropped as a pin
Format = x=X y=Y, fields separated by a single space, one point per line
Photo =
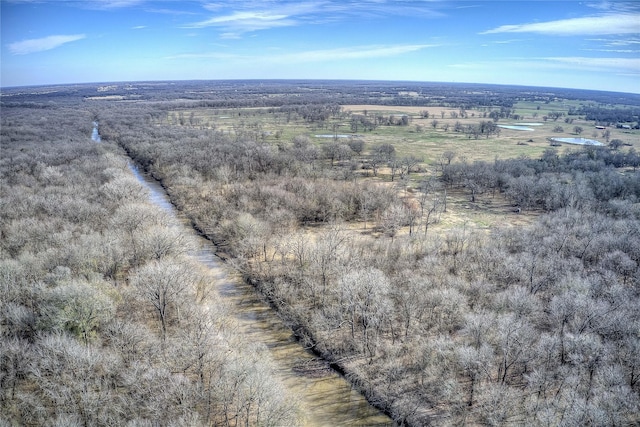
x=578 y=141
x=516 y=127
x=332 y=136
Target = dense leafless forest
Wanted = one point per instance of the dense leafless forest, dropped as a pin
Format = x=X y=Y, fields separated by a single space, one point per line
x=355 y=242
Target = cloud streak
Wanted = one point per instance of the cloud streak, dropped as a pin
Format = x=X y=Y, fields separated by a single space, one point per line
x=236 y=23
x=597 y=64
x=620 y=23
x=242 y=22
x=581 y=63
x=264 y=15
x=113 y=4
x=357 y=52
x=25 y=47
x=321 y=55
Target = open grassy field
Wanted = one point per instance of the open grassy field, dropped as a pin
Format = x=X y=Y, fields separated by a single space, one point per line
x=431 y=142
x=420 y=138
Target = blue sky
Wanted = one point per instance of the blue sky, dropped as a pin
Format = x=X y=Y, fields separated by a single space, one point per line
x=586 y=45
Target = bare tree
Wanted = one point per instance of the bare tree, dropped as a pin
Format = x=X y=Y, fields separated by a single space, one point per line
x=164 y=284
x=433 y=211
x=392 y=219
x=325 y=255
x=363 y=296
x=80 y=308
x=395 y=165
x=409 y=162
x=386 y=151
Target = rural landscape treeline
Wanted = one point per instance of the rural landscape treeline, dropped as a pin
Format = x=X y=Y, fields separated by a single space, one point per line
x=452 y=285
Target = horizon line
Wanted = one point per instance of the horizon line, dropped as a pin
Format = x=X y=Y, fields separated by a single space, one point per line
x=123 y=82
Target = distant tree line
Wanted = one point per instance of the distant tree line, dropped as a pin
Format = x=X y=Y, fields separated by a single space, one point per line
x=607 y=116
x=250 y=93
x=586 y=177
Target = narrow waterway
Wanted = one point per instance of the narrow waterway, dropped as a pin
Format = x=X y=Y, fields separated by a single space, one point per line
x=95 y=135
x=325 y=400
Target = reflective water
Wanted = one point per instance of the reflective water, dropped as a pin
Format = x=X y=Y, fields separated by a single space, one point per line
x=515 y=127
x=325 y=400
x=95 y=135
x=578 y=141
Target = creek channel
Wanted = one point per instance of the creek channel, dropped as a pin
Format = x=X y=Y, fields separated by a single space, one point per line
x=325 y=400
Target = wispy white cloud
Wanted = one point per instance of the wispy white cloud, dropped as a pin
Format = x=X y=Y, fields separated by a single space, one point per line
x=210 y=55
x=89 y=4
x=139 y=27
x=618 y=42
x=321 y=55
x=166 y=11
x=113 y=4
x=45 y=43
x=619 y=23
x=602 y=5
x=381 y=9
x=236 y=18
x=508 y=41
x=357 y=52
x=607 y=65
x=597 y=64
x=611 y=50
x=624 y=42
x=613 y=6
x=243 y=21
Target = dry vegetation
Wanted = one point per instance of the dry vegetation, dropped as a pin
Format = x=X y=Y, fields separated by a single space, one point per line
x=455 y=274
x=104 y=319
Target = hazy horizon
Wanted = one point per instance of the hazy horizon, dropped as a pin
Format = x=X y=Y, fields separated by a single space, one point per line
x=591 y=46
